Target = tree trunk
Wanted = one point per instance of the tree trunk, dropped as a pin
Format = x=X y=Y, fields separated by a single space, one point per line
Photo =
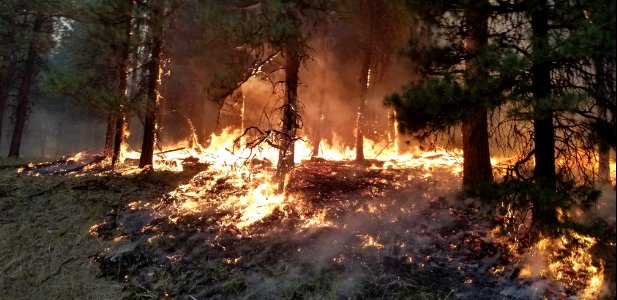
x=23 y=94
x=119 y=138
x=477 y=167
x=365 y=81
x=290 y=117
x=4 y=94
x=318 y=124
x=604 y=168
x=121 y=127
x=109 y=135
x=154 y=73
x=544 y=130
x=476 y=155
x=6 y=63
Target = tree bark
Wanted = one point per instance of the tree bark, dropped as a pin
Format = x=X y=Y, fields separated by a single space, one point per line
x=604 y=168
x=290 y=117
x=154 y=73
x=121 y=128
x=365 y=81
x=476 y=154
x=109 y=135
x=119 y=138
x=23 y=97
x=6 y=63
x=318 y=124
x=544 y=130
x=4 y=94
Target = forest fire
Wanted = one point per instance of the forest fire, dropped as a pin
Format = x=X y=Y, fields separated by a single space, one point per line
x=296 y=149
x=236 y=195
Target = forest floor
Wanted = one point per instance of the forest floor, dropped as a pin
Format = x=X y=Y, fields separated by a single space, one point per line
x=343 y=231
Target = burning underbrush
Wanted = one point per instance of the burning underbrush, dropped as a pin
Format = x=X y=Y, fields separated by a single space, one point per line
x=209 y=224
x=383 y=229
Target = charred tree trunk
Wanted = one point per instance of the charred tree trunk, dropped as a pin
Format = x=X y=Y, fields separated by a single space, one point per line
x=109 y=135
x=365 y=81
x=318 y=125
x=121 y=128
x=604 y=167
x=119 y=138
x=604 y=148
x=476 y=156
x=30 y=71
x=154 y=73
x=290 y=117
x=544 y=130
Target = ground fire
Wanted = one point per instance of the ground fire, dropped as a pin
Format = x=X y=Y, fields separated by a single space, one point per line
x=307 y=149
x=391 y=225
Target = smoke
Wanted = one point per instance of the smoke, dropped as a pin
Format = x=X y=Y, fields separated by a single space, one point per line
x=605 y=207
x=329 y=86
x=57 y=127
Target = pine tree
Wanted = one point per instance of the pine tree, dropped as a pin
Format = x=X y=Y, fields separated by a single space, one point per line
x=96 y=74
x=379 y=29
x=447 y=94
x=39 y=19
x=157 y=14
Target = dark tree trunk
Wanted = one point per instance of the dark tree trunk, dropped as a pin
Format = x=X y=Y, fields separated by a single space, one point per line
x=601 y=92
x=4 y=93
x=477 y=167
x=154 y=73
x=23 y=94
x=544 y=130
x=119 y=138
x=365 y=74
x=476 y=156
x=6 y=63
x=318 y=125
x=121 y=127
x=290 y=117
x=109 y=135
x=604 y=167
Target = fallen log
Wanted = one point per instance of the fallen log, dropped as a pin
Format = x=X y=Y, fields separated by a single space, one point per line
x=169 y=151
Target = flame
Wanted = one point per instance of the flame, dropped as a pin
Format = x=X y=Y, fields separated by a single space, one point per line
x=231 y=161
x=566 y=259
x=370 y=241
x=229 y=155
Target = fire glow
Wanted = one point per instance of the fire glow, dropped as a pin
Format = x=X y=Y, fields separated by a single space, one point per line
x=251 y=171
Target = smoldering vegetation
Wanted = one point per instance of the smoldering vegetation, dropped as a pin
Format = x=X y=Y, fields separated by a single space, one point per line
x=341 y=231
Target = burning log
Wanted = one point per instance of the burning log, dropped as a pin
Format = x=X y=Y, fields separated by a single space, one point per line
x=66 y=164
x=161 y=153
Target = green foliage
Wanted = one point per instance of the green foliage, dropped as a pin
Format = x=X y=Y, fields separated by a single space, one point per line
x=429 y=106
x=85 y=66
x=277 y=24
x=435 y=103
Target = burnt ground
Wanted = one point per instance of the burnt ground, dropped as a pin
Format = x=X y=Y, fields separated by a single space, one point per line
x=344 y=232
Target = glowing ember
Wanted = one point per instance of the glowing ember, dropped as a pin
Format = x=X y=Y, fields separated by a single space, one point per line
x=370 y=241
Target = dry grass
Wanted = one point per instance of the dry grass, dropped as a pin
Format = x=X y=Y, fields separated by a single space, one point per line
x=45 y=245
x=46 y=250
